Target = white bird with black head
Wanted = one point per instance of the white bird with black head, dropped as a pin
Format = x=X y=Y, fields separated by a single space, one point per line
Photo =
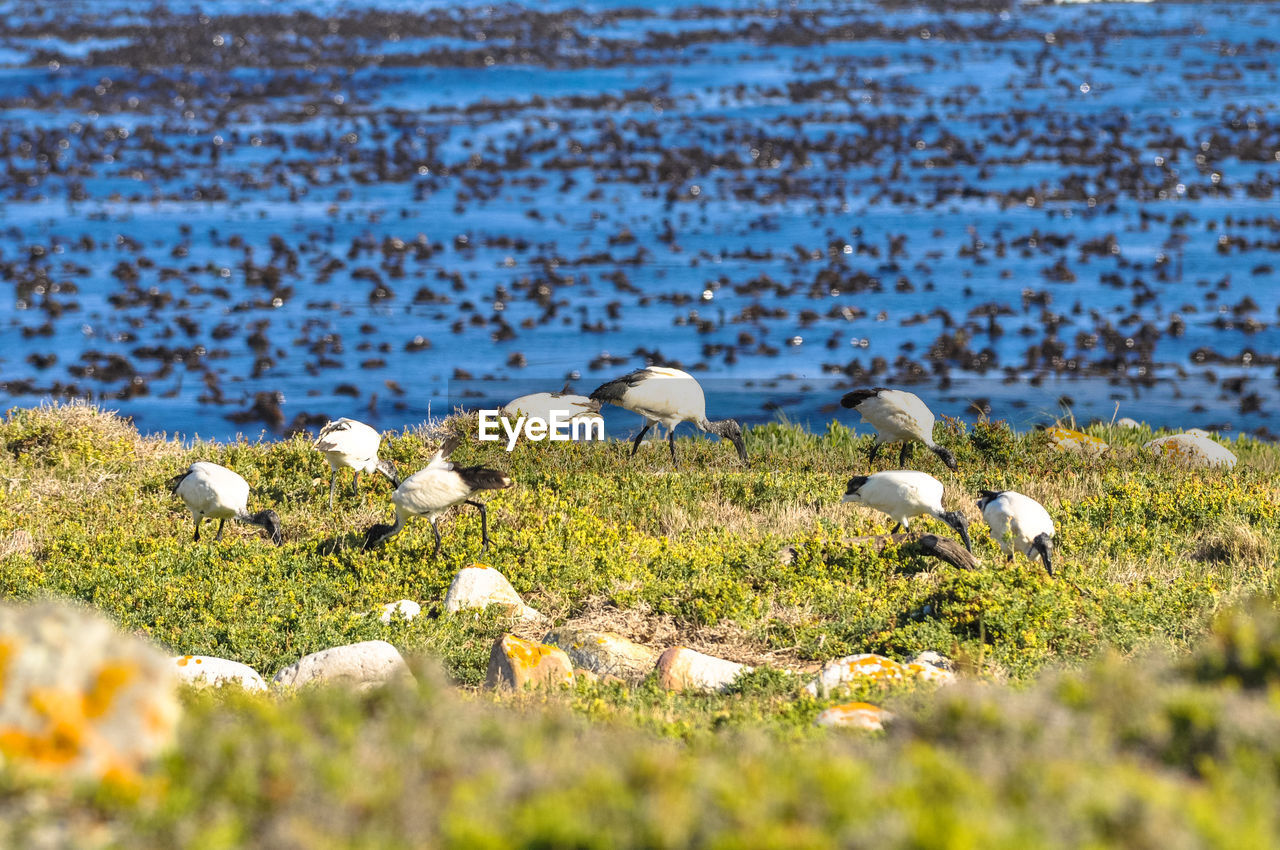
x=431 y=491
x=543 y=405
x=898 y=417
x=216 y=492
x=1019 y=524
x=903 y=494
x=349 y=444
x=669 y=396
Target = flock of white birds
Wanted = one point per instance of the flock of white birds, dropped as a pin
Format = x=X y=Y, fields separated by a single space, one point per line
x=1018 y=523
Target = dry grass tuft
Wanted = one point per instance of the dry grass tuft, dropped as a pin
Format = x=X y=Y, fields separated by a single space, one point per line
x=16 y=543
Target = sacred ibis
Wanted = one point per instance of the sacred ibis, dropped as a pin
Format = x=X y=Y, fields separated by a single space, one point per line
x=542 y=405
x=1018 y=523
x=434 y=489
x=903 y=494
x=214 y=491
x=898 y=417
x=348 y=444
x=669 y=396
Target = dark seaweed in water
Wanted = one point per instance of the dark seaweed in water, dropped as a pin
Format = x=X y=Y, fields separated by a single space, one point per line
x=260 y=216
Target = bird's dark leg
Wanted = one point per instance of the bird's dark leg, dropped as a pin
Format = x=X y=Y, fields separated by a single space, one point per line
x=198 y=521
x=333 y=482
x=671 y=441
x=875 y=450
x=897 y=526
x=484 y=526
x=221 y=523
x=436 y=528
x=635 y=445
x=908 y=450
x=355 y=483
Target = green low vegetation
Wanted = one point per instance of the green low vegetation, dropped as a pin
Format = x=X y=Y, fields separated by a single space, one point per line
x=1133 y=700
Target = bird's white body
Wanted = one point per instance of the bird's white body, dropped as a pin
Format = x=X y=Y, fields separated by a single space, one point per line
x=901 y=494
x=430 y=491
x=668 y=396
x=541 y=406
x=349 y=444
x=898 y=416
x=213 y=492
x=1016 y=521
x=1196 y=449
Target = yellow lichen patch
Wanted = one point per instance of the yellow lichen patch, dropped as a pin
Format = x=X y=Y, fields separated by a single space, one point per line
x=875 y=667
x=859 y=715
x=1065 y=439
x=184 y=660
x=110 y=679
x=480 y=566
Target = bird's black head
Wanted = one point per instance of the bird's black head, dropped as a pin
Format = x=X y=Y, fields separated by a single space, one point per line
x=377 y=535
x=388 y=469
x=731 y=431
x=855 y=484
x=270 y=522
x=1043 y=545
x=960 y=523
x=947 y=457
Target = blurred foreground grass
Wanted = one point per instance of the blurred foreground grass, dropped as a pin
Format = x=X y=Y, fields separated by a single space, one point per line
x=1149 y=728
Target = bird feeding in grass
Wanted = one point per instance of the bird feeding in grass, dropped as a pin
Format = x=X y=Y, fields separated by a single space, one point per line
x=898 y=417
x=216 y=492
x=543 y=405
x=431 y=491
x=904 y=494
x=1018 y=523
x=669 y=396
x=348 y=444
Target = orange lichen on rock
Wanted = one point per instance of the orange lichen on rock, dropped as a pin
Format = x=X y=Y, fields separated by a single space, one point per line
x=518 y=663
x=1065 y=439
x=855 y=715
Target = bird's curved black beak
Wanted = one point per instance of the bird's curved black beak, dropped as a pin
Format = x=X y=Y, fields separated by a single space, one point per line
x=957 y=521
x=1044 y=547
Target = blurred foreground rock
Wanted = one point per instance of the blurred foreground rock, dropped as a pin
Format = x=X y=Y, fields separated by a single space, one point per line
x=78 y=697
x=518 y=664
x=207 y=671
x=855 y=715
x=364 y=665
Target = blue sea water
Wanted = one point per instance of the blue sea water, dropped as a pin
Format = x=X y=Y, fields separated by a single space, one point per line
x=772 y=195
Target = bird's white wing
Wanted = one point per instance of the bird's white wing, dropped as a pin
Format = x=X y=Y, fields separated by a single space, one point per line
x=898 y=415
x=667 y=395
x=350 y=438
x=429 y=491
x=214 y=490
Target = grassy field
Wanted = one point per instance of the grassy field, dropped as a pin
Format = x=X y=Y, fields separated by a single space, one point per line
x=1129 y=701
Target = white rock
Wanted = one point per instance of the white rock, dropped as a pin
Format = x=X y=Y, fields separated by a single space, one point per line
x=1193 y=449
x=604 y=653
x=479 y=586
x=406 y=608
x=366 y=664
x=855 y=715
x=683 y=669
x=78 y=697
x=207 y=671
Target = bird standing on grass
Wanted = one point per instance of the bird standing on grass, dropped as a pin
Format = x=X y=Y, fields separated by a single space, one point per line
x=1018 y=523
x=903 y=494
x=214 y=491
x=348 y=444
x=434 y=489
x=669 y=396
x=898 y=417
